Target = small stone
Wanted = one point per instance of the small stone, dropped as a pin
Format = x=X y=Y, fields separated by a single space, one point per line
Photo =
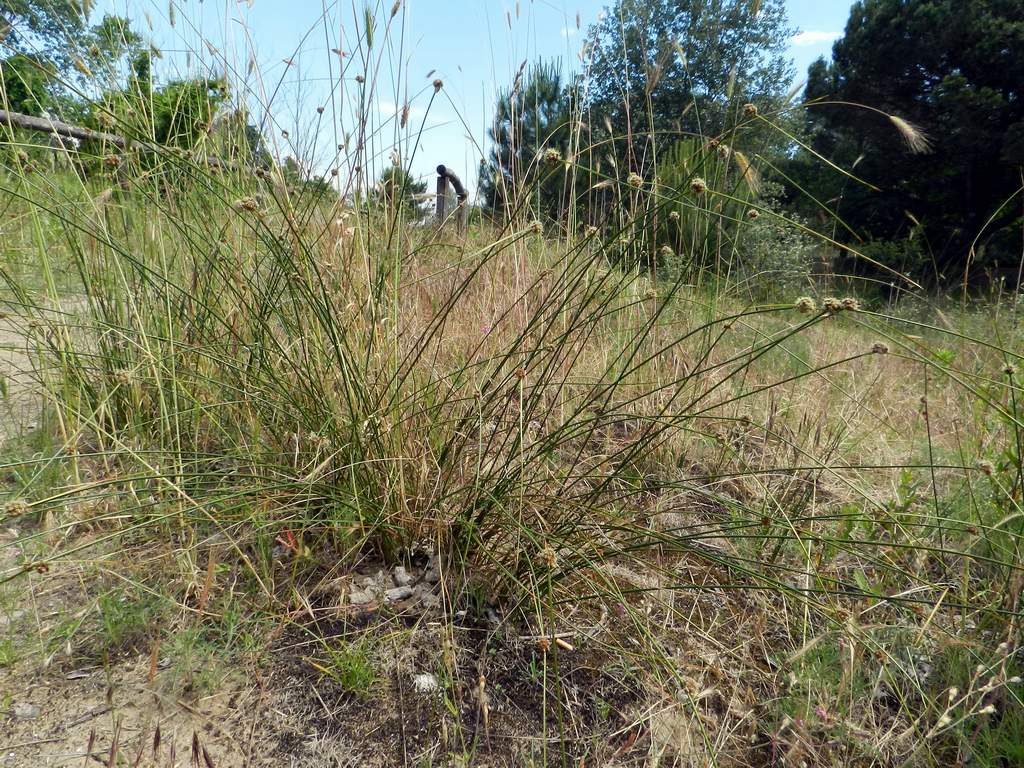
x=25 y=711
x=398 y=593
x=424 y=683
x=401 y=577
x=429 y=600
x=11 y=618
x=360 y=597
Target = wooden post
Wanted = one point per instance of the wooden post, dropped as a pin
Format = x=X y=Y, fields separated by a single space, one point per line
x=442 y=197
x=444 y=177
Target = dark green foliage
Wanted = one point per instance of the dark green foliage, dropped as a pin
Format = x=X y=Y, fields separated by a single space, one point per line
x=531 y=118
x=398 y=189
x=26 y=84
x=954 y=70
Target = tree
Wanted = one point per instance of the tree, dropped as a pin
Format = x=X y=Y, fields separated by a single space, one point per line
x=686 y=65
x=41 y=27
x=35 y=34
x=950 y=71
x=530 y=130
x=397 y=188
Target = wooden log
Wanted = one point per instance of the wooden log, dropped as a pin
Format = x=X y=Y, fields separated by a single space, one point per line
x=68 y=131
x=49 y=125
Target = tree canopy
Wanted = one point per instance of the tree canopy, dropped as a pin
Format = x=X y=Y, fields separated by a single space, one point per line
x=952 y=69
x=531 y=118
x=684 y=64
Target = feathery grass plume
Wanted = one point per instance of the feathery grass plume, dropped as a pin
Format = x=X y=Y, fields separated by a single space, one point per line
x=748 y=171
x=916 y=139
x=396 y=8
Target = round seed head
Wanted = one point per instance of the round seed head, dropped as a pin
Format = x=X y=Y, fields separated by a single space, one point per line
x=552 y=156
x=698 y=186
x=986 y=467
x=850 y=304
x=438 y=84
x=635 y=180
x=832 y=305
x=880 y=348
x=753 y=214
x=805 y=305
x=15 y=508
x=548 y=557
x=674 y=217
x=750 y=110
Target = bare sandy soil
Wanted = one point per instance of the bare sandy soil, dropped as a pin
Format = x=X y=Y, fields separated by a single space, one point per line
x=16 y=409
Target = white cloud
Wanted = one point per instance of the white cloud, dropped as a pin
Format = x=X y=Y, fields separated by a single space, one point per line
x=813 y=37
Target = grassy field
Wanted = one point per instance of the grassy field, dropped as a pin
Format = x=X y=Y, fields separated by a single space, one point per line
x=290 y=478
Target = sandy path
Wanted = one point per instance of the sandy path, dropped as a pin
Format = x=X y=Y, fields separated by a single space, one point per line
x=19 y=408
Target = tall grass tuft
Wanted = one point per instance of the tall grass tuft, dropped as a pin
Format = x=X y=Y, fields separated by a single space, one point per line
x=573 y=418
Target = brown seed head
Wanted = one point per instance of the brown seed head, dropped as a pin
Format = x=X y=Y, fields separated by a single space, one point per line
x=698 y=186
x=805 y=305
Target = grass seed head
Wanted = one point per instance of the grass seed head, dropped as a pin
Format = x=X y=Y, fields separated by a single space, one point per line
x=698 y=186
x=674 y=217
x=548 y=557
x=880 y=348
x=552 y=156
x=986 y=467
x=805 y=305
x=15 y=508
x=832 y=305
x=753 y=214
x=1010 y=370
x=635 y=180
x=750 y=110
x=438 y=85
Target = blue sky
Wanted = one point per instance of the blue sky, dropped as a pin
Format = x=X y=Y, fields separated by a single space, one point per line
x=475 y=46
